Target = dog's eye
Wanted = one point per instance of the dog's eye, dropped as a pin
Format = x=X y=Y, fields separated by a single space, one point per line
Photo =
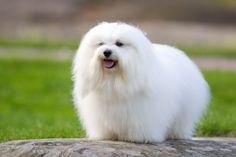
x=100 y=44
x=119 y=44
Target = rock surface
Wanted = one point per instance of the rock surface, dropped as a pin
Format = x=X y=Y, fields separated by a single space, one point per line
x=83 y=147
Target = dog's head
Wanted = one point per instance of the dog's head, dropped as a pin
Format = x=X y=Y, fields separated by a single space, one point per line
x=112 y=55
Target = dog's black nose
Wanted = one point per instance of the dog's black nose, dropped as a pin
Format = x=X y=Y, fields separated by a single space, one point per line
x=107 y=53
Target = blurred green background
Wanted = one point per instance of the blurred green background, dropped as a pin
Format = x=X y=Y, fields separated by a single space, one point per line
x=39 y=38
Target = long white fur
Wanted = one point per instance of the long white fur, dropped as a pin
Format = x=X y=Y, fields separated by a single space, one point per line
x=155 y=91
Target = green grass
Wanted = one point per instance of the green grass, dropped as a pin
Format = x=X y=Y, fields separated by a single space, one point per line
x=221 y=117
x=35 y=101
x=37 y=43
x=208 y=51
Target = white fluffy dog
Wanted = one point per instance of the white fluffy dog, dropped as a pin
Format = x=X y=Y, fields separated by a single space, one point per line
x=127 y=88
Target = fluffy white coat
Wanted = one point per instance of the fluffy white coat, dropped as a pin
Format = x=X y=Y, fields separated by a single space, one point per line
x=154 y=92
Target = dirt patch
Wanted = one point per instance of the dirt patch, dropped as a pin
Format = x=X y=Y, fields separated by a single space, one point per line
x=216 y=63
x=67 y=54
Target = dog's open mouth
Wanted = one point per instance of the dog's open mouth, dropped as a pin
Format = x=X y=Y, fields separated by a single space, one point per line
x=109 y=63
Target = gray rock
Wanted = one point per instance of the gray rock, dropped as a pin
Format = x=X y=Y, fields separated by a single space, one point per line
x=83 y=147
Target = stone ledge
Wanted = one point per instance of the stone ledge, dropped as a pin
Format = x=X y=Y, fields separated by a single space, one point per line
x=83 y=147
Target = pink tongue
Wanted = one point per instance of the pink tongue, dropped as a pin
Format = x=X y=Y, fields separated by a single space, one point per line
x=109 y=63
